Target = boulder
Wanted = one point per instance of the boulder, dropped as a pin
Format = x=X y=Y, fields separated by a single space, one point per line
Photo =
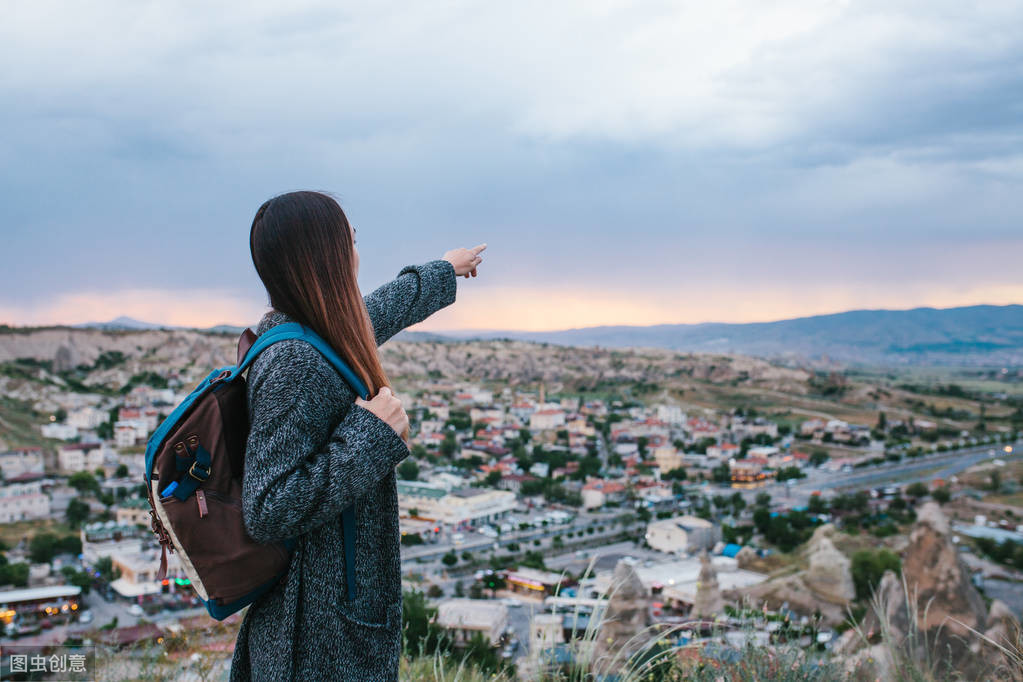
x=624 y=619
x=829 y=575
x=745 y=557
x=708 y=594
x=937 y=578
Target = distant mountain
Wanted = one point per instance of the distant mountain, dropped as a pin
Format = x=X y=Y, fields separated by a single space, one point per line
x=976 y=335
x=121 y=324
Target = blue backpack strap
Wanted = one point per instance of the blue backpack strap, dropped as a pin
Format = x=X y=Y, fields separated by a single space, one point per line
x=294 y=330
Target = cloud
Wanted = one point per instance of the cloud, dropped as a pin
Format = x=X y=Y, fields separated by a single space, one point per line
x=185 y=307
x=582 y=140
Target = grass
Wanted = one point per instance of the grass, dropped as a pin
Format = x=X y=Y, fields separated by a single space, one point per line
x=12 y=533
x=651 y=655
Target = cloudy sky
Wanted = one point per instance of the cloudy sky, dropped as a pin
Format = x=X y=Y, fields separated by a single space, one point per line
x=626 y=162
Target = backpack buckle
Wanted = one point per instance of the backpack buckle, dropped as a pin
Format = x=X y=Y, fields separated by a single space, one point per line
x=193 y=474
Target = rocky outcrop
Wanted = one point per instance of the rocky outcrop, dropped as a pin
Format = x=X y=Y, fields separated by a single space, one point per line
x=708 y=593
x=932 y=613
x=937 y=578
x=625 y=618
x=746 y=557
x=829 y=575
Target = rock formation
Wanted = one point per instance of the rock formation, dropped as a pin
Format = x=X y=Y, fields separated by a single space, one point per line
x=829 y=575
x=624 y=619
x=938 y=579
x=745 y=557
x=708 y=594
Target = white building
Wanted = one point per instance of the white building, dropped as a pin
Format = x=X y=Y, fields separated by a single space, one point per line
x=128 y=432
x=671 y=414
x=470 y=506
x=87 y=417
x=465 y=617
x=547 y=419
x=23 y=500
x=81 y=457
x=24 y=461
x=139 y=569
x=682 y=534
x=59 y=431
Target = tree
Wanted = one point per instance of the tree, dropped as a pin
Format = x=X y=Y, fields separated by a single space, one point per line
x=108 y=573
x=492 y=479
x=479 y=652
x=42 y=547
x=83 y=482
x=14 y=574
x=868 y=567
x=77 y=578
x=738 y=503
x=785 y=473
x=941 y=495
x=676 y=474
x=449 y=559
x=819 y=457
x=448 y=446
x=408 y=470
x=761 y=519
x=882 y=421
x=421 y=637
x=122 y=471
x=917 y=490
x=763 y=500
x=77 y=513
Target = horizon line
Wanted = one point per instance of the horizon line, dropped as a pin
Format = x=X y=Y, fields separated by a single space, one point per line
x=472 y=330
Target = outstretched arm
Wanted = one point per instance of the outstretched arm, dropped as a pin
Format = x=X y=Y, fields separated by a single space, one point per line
x=416 y=293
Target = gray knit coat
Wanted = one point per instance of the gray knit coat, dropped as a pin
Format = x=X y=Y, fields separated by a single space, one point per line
x=310 y=452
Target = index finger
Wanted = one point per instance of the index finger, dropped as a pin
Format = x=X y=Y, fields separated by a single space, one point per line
x=478 y=249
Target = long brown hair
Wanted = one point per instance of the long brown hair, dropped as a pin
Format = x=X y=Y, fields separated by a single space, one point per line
x=301 y=244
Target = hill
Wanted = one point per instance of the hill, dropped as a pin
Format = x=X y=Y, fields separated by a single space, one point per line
x=981 y=335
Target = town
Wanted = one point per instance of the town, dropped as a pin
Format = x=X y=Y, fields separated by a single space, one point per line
x=529 y=516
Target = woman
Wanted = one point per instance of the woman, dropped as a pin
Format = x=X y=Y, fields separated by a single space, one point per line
x=315 y=447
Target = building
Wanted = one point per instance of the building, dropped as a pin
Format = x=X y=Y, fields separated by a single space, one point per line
x=87 y=417
x=597 y=492
x=129 y=432
x=22 y=498
x=81 y=457
x=24 y=461
x=134 y=511
x=682 y=534
x=547 y=419
x=469 y=507
x=534 y=583
x=139 y=570
x=671 y=414
x=462 y=618
x=668 y=457
x=35 y=603
x=59 y=431
x=725 y=451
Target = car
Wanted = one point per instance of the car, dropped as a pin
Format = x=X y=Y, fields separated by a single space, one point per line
x=458 y=538
x=136 y=610
x=509 y=601
x=85 y=617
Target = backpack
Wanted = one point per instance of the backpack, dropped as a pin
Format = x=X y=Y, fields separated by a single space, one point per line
x=194 y=465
